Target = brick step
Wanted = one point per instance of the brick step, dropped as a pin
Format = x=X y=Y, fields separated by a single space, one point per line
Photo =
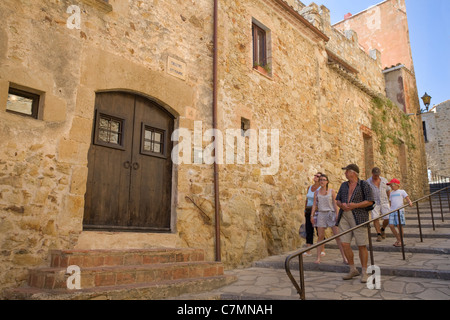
x=105 y=258
x=56 y=278
x=140 y=291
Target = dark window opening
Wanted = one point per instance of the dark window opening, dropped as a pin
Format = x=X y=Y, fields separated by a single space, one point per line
x=259 y=46
x=153 y=141
x=245 y=125
x=23 y=103
x=109 y=131
x=425 y=131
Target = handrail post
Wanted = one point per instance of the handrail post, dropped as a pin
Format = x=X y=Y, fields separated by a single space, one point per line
x=448 y=198
x=440 y=202
x=420 y=223
x=401 y=234
x=432 y=216
x=302 y=277
x=370 y=245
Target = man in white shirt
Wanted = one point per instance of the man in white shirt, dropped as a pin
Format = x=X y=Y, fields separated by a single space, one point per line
x=381 y=193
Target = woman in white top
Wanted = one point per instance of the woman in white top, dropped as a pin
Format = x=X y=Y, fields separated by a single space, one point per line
x=327 y=211
x=309 y=227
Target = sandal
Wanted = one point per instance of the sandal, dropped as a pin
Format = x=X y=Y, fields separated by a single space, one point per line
x=397 y=244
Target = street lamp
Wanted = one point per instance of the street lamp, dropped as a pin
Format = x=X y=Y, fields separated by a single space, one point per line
x=426 y=101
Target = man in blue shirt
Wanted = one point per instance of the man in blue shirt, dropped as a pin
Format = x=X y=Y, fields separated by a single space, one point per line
x=353 y=197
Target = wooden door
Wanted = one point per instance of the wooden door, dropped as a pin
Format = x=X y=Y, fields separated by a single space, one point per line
x=130 y=171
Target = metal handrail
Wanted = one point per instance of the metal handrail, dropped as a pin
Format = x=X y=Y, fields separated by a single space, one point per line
x=301 y=287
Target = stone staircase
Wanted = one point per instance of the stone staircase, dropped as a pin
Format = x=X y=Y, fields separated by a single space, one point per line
x=123 y=274
x=429 y=259
x=425 y=274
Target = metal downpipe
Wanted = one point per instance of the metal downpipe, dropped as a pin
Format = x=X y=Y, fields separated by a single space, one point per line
x=216 y=168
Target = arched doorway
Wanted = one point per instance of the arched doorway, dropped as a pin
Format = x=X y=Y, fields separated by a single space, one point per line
x=130 y=169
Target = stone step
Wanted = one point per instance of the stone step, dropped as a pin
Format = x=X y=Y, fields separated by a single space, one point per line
x=436 y=205
x=431 y=234
x=430 y=266
x=427 y=217
x=427 y=224
x=105 y=258
x=139 y=291
x=411 y=247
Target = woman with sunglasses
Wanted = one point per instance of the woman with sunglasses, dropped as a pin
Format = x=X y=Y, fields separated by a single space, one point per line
x=325 y=206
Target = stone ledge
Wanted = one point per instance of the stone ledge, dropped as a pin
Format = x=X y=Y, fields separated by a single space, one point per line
x=102 y=5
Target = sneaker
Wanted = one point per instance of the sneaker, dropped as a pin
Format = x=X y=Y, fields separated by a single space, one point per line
x=379 y=238
x=364 y=278
x=351 y=275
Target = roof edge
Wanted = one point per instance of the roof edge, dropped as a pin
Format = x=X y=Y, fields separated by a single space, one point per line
x=299 y=17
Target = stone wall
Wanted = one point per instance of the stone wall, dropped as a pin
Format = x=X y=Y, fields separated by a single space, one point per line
x=123 y=45
x=323 y=115
x=321 y=112
x=438 y=147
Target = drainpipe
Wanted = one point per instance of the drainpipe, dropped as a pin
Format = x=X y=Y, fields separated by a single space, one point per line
x=216 y=167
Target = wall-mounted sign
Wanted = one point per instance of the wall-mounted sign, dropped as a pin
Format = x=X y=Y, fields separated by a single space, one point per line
x=176 y=68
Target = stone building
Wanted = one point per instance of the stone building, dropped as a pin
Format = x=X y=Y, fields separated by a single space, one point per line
x=98 y=99
x=385 y=27
x=436 y=124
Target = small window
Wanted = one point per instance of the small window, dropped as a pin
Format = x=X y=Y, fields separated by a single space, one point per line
x=23 y=103
x=153 y=141
x=259 y=46
x=109 y=131
x=425 y=131
x=245 y=125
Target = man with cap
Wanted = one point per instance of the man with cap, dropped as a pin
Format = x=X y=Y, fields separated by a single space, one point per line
x=353 y=197
x=381 y=192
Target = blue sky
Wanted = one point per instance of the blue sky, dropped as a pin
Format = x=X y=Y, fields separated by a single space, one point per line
x=429 y=28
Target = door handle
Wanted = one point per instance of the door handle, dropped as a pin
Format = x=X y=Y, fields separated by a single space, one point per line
x=136 y=166
x=127 y=165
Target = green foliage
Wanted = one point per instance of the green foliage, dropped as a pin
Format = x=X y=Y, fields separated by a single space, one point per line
x=390 y=124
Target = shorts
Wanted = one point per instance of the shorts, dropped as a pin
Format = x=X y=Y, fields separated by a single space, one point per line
x=380 y=210
x=361 y=235
x=326 y=219
x=393 y=218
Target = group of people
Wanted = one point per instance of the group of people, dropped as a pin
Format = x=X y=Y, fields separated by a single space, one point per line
x=350 y=207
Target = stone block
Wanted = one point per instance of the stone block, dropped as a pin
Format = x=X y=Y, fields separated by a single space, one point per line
x=55 y=109
x=79 y=180
x=81 y=130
